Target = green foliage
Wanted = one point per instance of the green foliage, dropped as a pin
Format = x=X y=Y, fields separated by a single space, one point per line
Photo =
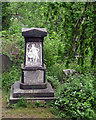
x=13 y=46
x=56 y=71
x=8 y=78
x=53 y=80
x=71 y=31
x=39 y=104
x=50 y=103
x=64 y=22
x=76 y=98
x=30 y=105
x=53 y=49
x=54 y=111
x=6 y=16
x=20 y=104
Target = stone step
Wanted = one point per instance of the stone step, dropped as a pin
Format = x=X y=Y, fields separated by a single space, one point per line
x=18 y=93
x=33 y=86
x=28 y=99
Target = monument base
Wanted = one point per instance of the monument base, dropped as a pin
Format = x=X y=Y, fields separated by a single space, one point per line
x=33 y=86
x=17 y=93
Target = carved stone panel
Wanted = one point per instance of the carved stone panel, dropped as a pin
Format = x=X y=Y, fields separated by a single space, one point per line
x=33 y=54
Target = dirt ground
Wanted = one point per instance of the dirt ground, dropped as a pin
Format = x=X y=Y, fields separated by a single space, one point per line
x=36 y=112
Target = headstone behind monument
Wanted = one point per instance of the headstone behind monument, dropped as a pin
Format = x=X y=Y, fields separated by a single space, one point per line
x=5 y=63
x=67 y=73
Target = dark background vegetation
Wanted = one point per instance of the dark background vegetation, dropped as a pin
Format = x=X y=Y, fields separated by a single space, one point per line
x=70 y=43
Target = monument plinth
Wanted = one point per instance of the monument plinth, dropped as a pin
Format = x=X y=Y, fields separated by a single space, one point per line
x=32 y=85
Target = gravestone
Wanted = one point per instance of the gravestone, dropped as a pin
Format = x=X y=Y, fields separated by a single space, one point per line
x=32 y=85
x=5 y=63
x=67 y=73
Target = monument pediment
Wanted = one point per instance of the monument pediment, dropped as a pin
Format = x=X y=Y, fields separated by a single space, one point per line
x=34 y=32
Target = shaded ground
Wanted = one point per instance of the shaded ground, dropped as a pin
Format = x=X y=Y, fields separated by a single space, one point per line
x=29 y=112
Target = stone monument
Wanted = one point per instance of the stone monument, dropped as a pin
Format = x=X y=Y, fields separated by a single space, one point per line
x=32 y=85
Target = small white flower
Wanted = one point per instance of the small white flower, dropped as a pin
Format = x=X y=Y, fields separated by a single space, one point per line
x=81 y=90
x=81 y=84
x=75 y=113
x=74 y=92
x=55 y=103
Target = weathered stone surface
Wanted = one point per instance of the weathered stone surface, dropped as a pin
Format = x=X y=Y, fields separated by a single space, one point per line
x=33 y=54
x=68 y=72
x=17 y=92
x=33 y=68
x=34 y=32
x=31 y=77
x=33 y=86
x=35 y=94
x=5 y=62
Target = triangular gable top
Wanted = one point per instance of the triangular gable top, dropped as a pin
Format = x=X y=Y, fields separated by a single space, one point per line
x=34 y=32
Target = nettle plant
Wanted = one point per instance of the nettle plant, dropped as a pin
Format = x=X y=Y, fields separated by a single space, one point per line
x=76 y=98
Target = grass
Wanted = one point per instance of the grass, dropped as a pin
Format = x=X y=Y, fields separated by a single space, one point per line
x=28 y=112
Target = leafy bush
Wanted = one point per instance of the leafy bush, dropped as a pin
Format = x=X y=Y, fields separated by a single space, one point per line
x=76 y=98
x=38 y=103
x=53 y=80
x=8 y=78
x=22 y=103
x=53 y=49
x=56 y=70
x=13 y=46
